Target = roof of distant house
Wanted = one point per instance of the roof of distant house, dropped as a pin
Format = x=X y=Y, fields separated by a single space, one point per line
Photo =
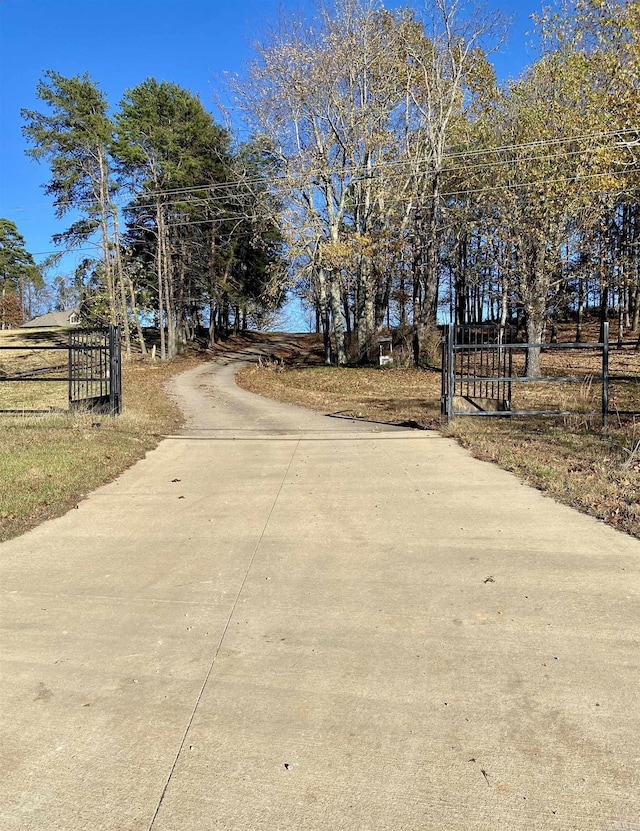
x=69 y=317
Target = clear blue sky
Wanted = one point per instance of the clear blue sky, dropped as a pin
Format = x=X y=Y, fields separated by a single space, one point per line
x=122 y=42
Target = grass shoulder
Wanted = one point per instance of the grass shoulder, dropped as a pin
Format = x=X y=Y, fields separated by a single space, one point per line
x=50 y=462
x=395 y=396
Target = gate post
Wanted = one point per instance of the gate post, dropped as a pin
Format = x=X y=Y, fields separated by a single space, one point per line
x=115 y=371
x=605 y=374
x=450 y=373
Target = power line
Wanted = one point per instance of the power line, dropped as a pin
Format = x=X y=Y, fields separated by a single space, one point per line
x=487 y=165
x=218 y=221
x=311 y=172
x=445 y=194
x=230 y=184
x=541 y=182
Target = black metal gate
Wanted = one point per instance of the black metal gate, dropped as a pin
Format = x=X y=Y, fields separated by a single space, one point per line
x=95 y=370
x=478 y=371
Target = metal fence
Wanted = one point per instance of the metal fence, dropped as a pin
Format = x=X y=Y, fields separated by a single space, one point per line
x=93 y=369
x=481 y=364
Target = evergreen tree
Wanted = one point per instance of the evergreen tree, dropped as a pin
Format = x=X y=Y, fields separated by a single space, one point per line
x=173 y=157
x=18 y=272
x=74 y=136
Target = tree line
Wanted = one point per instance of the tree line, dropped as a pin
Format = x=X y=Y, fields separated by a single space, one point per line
x=404 y=185
x=20 y=276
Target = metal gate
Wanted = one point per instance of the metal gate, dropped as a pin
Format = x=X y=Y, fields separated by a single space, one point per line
x=95 y=370
x=478 y=371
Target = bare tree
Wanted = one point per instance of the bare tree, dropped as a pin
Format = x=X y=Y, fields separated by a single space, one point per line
x=361 y=107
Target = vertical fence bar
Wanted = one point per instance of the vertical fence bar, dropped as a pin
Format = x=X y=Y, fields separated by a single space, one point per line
x=70 y=366
x=457 y=356
x=112 y=386
x=100 y=359
x=115 y=371
x=444 y=370
x=484 y=392
x=83 y=369
x=451 y=370
x=474 y=336
x=605 y=374
x=461 y=339
x=494 y=356
x=481 y=370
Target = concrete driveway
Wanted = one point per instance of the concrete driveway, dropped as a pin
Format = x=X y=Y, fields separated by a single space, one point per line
x=280 y=620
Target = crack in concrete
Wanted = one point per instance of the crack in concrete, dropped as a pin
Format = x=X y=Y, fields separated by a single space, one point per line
x=221 y=641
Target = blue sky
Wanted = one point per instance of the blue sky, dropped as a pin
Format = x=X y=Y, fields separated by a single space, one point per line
x=122 y=42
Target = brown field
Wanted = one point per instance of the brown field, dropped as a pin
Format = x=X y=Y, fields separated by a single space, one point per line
x=40 y=361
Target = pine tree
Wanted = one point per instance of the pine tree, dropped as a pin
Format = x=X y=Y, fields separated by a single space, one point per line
x=74 y=137
x=171 y=156
x=18 y=272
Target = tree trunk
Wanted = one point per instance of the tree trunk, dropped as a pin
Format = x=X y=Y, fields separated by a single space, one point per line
x=181 y=333
x=338 y=325
x=126 y=329
x=604 y=307
x=169 y=300
x=504 y=307
x=136 y=316
x=403 y=303
x=580 y=310
x=383 y=302
x=104 y=202
x=535 y=328
x=426 y=273
x=347 y=311
x=635 y=309
x=160 y=278
x=534 y=288
x=324 y=315
x=366 y=317
x=213 y=333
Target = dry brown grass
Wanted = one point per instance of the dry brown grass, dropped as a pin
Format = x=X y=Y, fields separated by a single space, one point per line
x=571 y=458
x=594 y=471
x=388 y=395
x=43 y=362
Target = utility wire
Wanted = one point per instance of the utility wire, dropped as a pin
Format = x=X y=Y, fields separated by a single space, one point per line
x=445 y=171
x=224 y=220
x=230 y=184
x=533 y=183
